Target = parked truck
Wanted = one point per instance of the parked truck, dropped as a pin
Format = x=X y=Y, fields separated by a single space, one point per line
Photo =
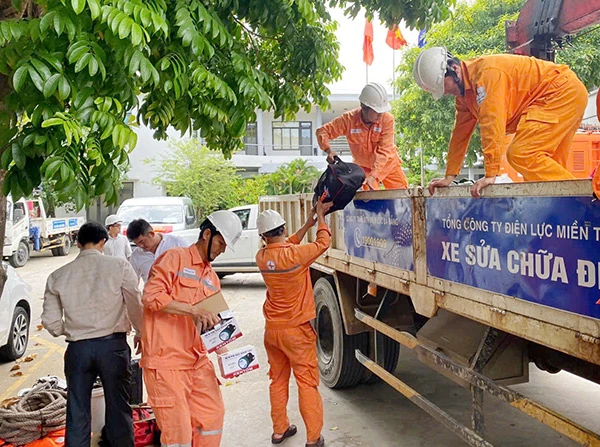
x=479 y=288
x=29 y=229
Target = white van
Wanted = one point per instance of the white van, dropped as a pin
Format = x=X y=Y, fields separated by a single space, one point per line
x=165 y=214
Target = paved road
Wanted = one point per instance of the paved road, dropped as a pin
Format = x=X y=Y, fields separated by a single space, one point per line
x=367 y=416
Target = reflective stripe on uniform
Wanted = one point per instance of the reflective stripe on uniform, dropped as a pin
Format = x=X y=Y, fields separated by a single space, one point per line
x=209 y=432
x=189 y=444
x=209 y=285
x=188 y=275
x=282 y=271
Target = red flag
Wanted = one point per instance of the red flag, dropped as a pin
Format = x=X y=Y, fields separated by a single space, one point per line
x=395 y=39
x=368 y=55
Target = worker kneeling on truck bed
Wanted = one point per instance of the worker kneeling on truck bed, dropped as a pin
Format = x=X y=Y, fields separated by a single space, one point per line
x=180 y=379
x=542 y=103
x=290 y=339
x=370 y=134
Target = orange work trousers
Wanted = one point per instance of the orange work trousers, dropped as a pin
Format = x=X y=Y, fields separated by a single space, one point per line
x=541 y=145
x=294 y=349
x=394 y=180
x=188 y=405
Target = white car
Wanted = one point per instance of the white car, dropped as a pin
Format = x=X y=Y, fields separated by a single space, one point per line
x=243 y=259
x=15 y=315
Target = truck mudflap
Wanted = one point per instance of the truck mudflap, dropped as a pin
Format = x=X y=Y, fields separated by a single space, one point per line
x=477 y=383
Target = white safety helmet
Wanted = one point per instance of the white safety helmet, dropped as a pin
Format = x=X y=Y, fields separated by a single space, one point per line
x=269 y=220
x=228 y=224
x=112 y=219
x=430 y=69
x=373 y=95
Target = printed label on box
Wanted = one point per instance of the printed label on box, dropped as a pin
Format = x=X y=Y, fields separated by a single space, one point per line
x=223 y=333
x=238 y=362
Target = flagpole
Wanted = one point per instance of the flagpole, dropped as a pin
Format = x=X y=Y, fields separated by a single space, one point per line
x=367 y=73
x=394 y=74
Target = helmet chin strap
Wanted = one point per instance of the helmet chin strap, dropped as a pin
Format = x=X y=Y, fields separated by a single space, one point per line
x=456 y=80
x=209 y=249
x=461 y=85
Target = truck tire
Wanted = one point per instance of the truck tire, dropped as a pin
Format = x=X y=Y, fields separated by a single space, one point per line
x=391 y=350
x=335 y=349
x=17 y=337
x=65 y=249
x=20 y=257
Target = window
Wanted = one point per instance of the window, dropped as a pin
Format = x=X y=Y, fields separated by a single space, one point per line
x=578 y=161
x=155 y=214
x=292 y=136
x=19 y=206
x=244 y=216
x=251 y=139
x=190 y=215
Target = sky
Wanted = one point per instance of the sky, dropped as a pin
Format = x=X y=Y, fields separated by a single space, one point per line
x=350 y=34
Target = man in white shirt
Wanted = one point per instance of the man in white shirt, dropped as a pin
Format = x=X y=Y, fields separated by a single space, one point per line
x=149 y=246
x=117 y=244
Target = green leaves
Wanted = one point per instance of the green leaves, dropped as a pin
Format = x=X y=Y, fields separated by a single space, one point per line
x=417 y=14
x=205 y=176
x=51 y=85
x=87 y=54
x=19 y=77
x=95 y=10
x=64 y=88
x=292 y=178
x=13 y=30
x=78 y=6
x=80 y=68
x=35 y=78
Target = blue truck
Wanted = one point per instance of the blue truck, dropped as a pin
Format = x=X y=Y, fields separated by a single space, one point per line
x=479 y=288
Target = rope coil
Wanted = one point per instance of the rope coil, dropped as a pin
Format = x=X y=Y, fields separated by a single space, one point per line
x=40 y=411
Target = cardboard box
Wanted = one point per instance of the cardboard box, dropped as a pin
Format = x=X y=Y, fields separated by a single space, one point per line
x=237 y=362
x=223 y=333
x=226 y=331
x=215 y=303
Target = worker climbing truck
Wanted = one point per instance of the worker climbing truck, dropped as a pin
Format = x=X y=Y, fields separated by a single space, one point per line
x=479 y=288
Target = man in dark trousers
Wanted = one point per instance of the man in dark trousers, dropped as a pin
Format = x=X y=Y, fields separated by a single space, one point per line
x=93 y=302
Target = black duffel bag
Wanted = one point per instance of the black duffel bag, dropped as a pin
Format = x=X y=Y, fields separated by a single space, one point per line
x=339 y=183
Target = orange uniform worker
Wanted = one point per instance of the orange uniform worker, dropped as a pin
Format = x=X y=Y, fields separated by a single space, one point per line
x=290 y=339
x=542 y=103
x=370 y=134
x=181 y=382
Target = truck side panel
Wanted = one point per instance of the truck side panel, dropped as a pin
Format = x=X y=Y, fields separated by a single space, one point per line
x=543 y=249
x=380 y=231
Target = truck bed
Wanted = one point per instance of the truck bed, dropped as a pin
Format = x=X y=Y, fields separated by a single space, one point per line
x=524 y=258
x=52 y=226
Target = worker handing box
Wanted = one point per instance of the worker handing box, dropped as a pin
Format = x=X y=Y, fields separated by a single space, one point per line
x=225 y=331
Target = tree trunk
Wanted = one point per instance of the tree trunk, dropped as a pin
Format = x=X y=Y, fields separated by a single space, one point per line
x=7 y=11
x=4 y=91
x=2 y=227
